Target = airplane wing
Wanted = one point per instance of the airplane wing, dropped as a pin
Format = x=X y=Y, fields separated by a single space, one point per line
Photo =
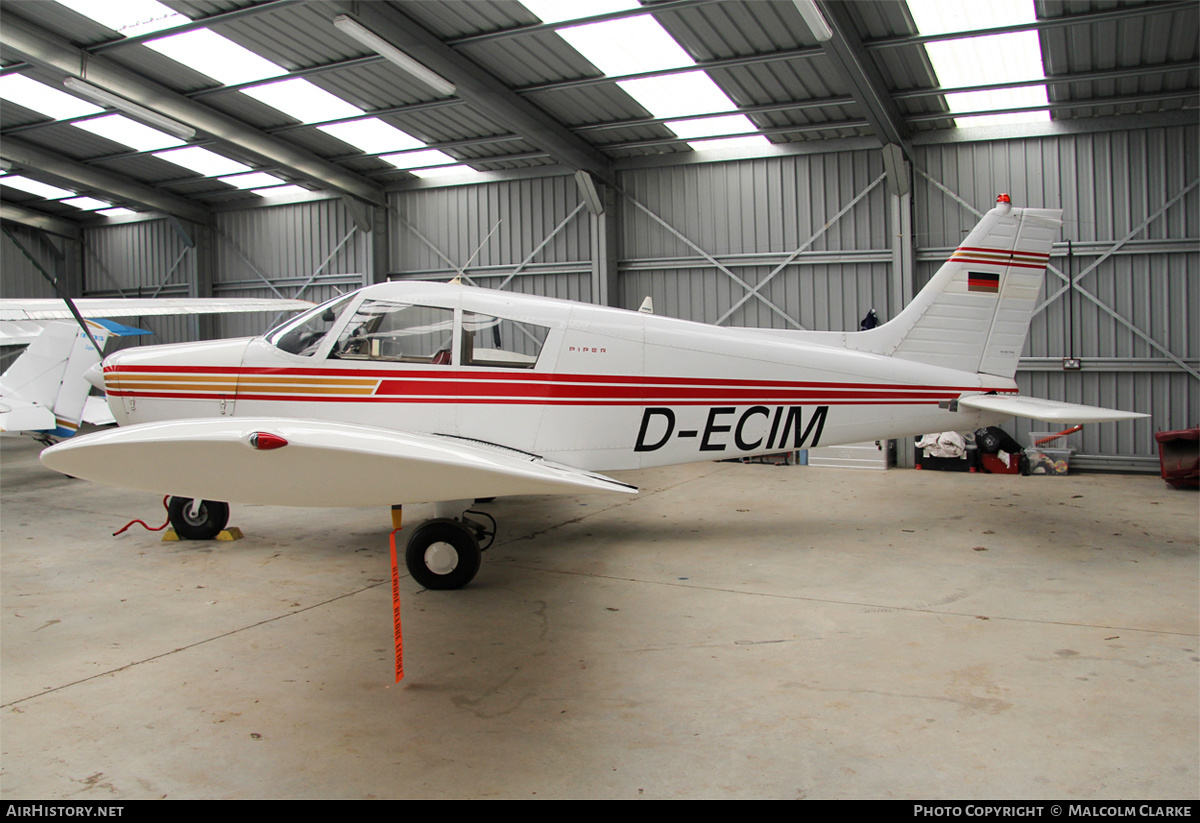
x=55 y=309
x=1052 y=411
x=311 y=463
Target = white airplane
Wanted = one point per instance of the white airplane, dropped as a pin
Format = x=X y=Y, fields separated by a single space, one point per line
x=43 y=392
x=421 y=392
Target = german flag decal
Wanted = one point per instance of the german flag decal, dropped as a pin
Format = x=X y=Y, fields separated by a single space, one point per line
x=984 y=282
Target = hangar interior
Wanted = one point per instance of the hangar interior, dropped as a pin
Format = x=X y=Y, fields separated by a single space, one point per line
x=787 y=164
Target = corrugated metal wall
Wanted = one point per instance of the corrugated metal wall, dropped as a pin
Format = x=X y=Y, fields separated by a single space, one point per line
x=21 y=277
x=489 y=230
x=311 y=251
x=749 y=216
x=148 y=258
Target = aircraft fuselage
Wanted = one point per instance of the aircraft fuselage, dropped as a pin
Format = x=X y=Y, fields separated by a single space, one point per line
x=593 y=387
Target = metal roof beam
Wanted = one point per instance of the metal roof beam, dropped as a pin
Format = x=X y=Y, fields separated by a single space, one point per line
x=845 y=51
x=95 y=179
x=483 y=92
x=46 y=49
x=37 y=220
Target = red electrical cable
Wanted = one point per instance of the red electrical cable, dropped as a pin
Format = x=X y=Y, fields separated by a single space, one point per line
x=147 y=528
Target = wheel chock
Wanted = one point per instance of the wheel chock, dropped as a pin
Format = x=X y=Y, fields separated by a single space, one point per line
x=232 y=533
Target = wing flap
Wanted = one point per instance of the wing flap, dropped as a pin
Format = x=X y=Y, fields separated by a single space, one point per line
x=1052 y=411
x=322 y=464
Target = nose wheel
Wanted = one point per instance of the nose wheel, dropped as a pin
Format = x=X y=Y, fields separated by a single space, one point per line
x=445 y=553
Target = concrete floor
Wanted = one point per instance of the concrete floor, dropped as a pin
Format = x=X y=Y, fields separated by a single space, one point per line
x=735 y=631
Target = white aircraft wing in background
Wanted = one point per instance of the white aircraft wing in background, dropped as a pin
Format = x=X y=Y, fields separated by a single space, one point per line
x=55 y=309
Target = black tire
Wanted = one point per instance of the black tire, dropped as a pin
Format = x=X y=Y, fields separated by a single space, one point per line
x=212 y=517
x=442 y=554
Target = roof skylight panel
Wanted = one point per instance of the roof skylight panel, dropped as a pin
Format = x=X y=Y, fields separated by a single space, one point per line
x=985 y=59
x=303 y=101
x=737 y=124
x=218 y=57
x=444 y=171
x=372 y=136
x=559 y=11
x=43 y=99
x=631 y=45
x=35 y=187
x=128 y=17
x=418 y=159
x=638 y=45
x=129 y=133
x=281 y=191
x=678 y=95
x=202 y=161
x=86 y=203
x=119 y=211
x=253 y=180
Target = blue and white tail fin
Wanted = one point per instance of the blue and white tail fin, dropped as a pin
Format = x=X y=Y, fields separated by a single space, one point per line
x=44 y=392
x=974 y=314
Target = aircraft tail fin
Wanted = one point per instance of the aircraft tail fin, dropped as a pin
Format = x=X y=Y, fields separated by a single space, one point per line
x=46 y=380
x=974 y=313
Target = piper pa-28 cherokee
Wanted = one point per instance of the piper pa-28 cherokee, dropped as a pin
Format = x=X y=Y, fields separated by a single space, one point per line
x=422 y=392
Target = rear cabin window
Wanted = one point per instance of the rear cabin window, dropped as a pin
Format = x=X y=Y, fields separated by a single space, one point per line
x=501 y=343
x=397 y=332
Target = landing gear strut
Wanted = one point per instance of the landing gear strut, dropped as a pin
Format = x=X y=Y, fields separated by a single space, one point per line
x=445 y=553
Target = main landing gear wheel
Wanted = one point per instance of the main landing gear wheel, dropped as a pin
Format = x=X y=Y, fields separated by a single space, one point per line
x=443 y=554
x=205 y=524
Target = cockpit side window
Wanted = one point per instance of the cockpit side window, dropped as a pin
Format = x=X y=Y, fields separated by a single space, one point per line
x=501 y=343
x=303 y=335
x=397 y=332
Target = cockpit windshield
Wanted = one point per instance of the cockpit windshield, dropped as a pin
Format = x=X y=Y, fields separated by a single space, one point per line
x=303 y=335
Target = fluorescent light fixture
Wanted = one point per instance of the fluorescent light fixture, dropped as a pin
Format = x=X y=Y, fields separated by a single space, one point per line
x=372 y=136
x=815 y=20
x=281 y=191
x=35 y=187
x=253 y=180
x=630 y=45
x=557 y=11
x=47 y=100
x=128 y=17
x=153 y=118
x=443 y=171
x=303 y=101
x=417 y=159
x=215 y=56
x=87 y=203
x=352 y=28
x=128 y=133
x=202 y=161
x=117 y=212
x=678 y=95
